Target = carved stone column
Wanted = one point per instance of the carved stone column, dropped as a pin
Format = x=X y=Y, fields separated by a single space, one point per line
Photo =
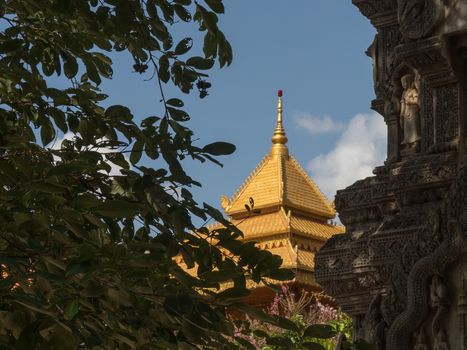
x=392 y=121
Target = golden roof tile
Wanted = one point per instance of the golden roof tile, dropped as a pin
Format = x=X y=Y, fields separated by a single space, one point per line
x=280 y=181
x=263 y=225
x=293 y=257
x=280 y=222
x=313 y=228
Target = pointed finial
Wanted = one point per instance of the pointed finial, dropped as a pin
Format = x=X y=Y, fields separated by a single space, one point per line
x=279 y=139
x=279 y=108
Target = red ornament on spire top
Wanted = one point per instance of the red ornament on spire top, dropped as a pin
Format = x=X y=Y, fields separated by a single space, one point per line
x=279 y=93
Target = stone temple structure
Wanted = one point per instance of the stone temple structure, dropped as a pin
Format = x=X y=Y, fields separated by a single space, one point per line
x=282 y=209
x=400 y=268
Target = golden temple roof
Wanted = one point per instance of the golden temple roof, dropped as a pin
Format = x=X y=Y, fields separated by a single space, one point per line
x=278 y=222
x=277 y=181
x=288 y=216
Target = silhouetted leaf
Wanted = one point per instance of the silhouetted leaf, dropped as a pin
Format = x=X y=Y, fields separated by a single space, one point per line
x=216 y=5
x=200 y=62
x=313 y=346
x=320 y=331
x=184 y=45
x=219 y=148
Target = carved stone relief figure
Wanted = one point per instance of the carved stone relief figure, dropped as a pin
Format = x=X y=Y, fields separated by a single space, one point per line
x=439 y=301
x=375 y=323
x=441 y=341
x=418 y=18
x=410 y=111
x=420 y=342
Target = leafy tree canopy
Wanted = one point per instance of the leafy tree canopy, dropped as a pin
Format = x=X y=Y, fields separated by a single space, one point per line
x=87 y=255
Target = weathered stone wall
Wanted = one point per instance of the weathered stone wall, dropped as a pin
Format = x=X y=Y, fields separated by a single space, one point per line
x=399 y=269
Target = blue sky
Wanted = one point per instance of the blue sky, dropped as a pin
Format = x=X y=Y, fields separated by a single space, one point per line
x=314 y=51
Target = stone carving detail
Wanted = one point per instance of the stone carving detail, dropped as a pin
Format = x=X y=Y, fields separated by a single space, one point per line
x=462 y=314
x=374 y=323
x=406 y=226
x=420 y=341
x=451 y=235
x=447 y=105
x=427 y=122
x=439 y=301
x=410 y=112
x=391 y=38
x=429 y=58
x=370 y=8
x=418 y=18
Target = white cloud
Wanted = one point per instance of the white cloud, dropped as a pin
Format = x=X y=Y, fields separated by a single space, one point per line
x=115 y=170
x=360 y=148
x=318 y=125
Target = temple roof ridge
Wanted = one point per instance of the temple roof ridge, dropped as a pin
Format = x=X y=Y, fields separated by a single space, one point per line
x=313 y=184
x=245 y=183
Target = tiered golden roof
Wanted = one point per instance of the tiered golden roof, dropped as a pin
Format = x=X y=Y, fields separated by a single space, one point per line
x=290 y=215
x=284 y=211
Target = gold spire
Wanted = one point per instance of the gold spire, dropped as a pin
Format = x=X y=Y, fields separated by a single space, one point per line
x=279 y=139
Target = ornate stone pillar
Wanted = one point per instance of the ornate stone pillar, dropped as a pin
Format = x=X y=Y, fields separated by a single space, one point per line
x=392 y=121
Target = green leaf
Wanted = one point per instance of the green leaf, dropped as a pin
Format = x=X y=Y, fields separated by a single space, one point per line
x=321 y=331
x=59 y=118
x=233 y=293
x=313 y=346
x=15 y=322
x=219 y=148
x=48 y=187
x=70 y=67
x=10 y=45
x=103 y=64
x=93 y=290
x=71 y=309
x=120 y=296
x=260 y=334
x=280 y=341
x=285 y=323
x=136 y=152
x=117 y=209
x=86 y=201
x=200 y=62
x=245 y=343
x=280 y=274
x=47 y=132
x=91 y=70
x=119 y=112
x=219 y=276
x=253 y=312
